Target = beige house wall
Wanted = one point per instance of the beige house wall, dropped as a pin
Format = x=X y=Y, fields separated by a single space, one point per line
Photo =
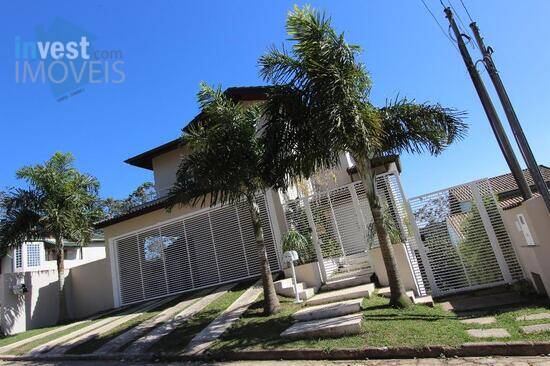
x=165 y=167
x=377 y=263
x=534 y=259
x=91 y=288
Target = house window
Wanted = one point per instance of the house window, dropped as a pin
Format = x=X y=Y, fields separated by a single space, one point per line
x=18 y=257
x=33 y=254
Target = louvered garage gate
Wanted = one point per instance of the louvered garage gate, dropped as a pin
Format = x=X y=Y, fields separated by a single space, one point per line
x=339 y=223
x=462 y=239
x=197 y=250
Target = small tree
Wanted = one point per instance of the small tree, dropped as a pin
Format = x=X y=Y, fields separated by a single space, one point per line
x=59 y=202
x=319 y=108
x=142 y=194
x=223 y=167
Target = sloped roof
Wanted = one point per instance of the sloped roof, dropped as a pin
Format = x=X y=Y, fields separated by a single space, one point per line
x=507 y=183
x=240 y=93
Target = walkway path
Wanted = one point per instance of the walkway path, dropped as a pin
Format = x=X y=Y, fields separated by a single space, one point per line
x=14 y=345
x=142 y=344
x=90 y=328
x=76 y=341
x=214 y=330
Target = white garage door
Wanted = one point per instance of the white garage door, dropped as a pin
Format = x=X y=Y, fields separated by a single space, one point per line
x=194 y=251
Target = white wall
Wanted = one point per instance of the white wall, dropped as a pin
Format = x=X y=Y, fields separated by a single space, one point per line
x=88 y=290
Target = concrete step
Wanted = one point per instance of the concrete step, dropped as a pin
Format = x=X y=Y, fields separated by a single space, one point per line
x=355 y=266
x=285 y=288
x=306 y=294
x=283 y=284
x=367 y=272
x=356 y=292
x=289 y=292
x=424 y=300
x=357 y=258
x=323 y=328
x=385 y=292
x=345 y=282
x=331 y=310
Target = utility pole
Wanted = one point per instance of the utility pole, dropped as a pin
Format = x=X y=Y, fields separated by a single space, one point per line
x=521 y=140
x=490 y=111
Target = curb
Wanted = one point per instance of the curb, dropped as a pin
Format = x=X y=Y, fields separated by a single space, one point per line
x=478 y=349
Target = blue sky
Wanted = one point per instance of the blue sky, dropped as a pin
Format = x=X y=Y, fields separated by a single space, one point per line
x=170 y=47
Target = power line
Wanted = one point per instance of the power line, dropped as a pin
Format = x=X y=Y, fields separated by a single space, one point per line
x=463 y=27
x=467 y=12
x=440 y=26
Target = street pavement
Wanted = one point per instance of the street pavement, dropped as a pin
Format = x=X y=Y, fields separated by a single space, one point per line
x=470 y=361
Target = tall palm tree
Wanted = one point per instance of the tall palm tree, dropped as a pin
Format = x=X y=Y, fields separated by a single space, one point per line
x=59 y=203
x=223 y=167
x=319 y=108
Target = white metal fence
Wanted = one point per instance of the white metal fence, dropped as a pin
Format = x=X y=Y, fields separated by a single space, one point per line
x=339 y=223
x=462 y=239
x=198 y=250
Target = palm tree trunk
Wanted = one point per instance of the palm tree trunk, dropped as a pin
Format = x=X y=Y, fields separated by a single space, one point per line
x=63 y=314
x=271 y=301
x=398 y=297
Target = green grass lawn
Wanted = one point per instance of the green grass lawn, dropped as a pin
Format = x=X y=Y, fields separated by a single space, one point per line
x=180 y=337
x=382 y=326
x=6 y=340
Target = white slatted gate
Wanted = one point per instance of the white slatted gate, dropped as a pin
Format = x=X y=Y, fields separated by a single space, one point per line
x=339 y=223
x=462 y=239
x=195 y=251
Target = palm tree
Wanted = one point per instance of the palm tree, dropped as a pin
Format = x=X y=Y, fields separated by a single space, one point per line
x=223 y=167
x=59 y=203
x=319 y=108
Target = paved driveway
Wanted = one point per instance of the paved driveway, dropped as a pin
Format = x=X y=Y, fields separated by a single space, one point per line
x=493 y=361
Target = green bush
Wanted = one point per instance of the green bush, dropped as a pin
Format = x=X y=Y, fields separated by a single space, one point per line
x=293 y=240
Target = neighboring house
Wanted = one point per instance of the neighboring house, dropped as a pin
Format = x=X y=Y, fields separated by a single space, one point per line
x=28 y=283
x=40 y=255
x=154 y=252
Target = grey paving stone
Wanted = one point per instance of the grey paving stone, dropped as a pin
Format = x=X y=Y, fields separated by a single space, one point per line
x=538 y=316
x=330 y=310
x=115 y=322
x=343 y=294
x=142 y=344
x=332 y=327
x=214 y=330
x=536 y=328
x=484 y=320
x=489 y=333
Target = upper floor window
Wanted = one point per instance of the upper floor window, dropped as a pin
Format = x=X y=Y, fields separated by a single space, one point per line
x=18 y=257
x=33 y=254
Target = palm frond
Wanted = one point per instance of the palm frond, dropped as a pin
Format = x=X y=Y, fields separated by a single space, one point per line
x=417 y=127
x=224 y=153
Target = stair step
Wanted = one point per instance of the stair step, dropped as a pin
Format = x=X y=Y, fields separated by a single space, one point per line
x=385 y=292
x=289 y=291
x=356 y=292
x=307 y=293
x=424 y=300
x=367 y=272
x=345 y=283
x=323 y=328
x=355 y=266
x=330 y=310
x=283 y=284
x=357 y=258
